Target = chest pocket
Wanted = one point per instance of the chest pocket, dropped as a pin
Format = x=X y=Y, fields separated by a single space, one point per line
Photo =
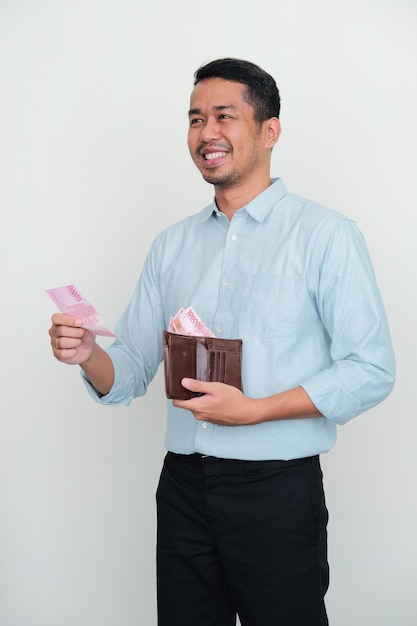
x=273 y=305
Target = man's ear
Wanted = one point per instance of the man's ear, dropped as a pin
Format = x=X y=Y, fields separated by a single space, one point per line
x=273 y=131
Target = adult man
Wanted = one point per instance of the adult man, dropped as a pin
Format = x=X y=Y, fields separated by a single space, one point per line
x=241 y=511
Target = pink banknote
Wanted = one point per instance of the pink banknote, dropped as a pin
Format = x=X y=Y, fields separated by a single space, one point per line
x=187 y=322
x=71 y=302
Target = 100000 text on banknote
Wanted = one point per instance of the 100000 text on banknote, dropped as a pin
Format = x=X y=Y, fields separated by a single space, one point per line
x=70 y=301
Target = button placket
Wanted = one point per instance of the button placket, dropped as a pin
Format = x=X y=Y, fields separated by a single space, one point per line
x=231 y=251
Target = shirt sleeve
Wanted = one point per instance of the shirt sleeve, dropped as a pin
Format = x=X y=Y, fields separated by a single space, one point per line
x=362 y=369
x=137 y=351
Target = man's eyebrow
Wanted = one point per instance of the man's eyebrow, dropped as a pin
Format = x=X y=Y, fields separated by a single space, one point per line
x=218 y=107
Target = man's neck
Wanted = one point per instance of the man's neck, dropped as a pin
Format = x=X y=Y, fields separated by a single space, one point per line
x=231 y=199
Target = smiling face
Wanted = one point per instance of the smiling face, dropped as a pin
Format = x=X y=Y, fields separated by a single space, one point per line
x=226 y=144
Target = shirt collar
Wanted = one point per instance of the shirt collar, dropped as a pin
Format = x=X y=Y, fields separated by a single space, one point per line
x=259 y=207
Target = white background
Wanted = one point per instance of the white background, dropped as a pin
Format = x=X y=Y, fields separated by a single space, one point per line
x=93 y=163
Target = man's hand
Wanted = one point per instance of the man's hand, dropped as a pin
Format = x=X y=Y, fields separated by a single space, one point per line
x=221 y=404
x=228 y=406
x=77 y=346
x=70 y=344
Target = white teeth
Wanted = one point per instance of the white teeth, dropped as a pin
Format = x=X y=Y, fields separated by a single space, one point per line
x=214 y=155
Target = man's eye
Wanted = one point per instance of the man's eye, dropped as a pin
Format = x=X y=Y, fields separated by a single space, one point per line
x=195 y=120
x=224 y=116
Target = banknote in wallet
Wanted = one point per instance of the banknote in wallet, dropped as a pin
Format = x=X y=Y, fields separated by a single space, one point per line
x=188 y=322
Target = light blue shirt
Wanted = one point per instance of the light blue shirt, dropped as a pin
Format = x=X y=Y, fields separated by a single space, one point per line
x=294 y=281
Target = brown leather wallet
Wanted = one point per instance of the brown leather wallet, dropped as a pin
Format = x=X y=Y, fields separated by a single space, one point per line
x=209 y=359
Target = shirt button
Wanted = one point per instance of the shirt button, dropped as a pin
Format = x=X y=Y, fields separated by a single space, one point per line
x=234 y=237
x=204 y=425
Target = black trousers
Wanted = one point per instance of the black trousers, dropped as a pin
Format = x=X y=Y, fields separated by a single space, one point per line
x=243 y=538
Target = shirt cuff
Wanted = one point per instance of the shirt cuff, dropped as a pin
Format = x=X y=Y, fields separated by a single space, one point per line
x=333 y=401
x=122 y=390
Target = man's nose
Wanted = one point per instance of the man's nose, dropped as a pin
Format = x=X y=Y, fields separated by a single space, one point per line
x=210 y=131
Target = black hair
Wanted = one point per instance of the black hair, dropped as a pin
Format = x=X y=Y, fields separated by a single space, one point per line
x=261 y=89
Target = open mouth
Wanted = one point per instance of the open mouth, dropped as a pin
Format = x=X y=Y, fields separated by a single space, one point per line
x=212 y=156
x=215 y=158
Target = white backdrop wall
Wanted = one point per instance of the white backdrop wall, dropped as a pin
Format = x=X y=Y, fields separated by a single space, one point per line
x=93 y=163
